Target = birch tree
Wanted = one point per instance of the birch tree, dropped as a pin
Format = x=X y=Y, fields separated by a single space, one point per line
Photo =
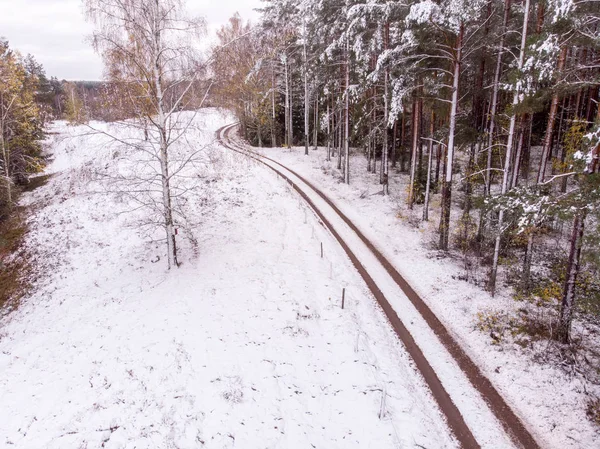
x=151 y=44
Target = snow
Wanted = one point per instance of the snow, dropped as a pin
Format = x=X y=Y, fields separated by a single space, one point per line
x=450 y=13
x=245 y=345
x=551 y=404
x=487 y=431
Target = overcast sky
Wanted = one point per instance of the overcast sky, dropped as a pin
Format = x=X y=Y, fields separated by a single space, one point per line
x=54 y=31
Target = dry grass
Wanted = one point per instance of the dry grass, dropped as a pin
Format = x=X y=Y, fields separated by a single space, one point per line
x=14 y=261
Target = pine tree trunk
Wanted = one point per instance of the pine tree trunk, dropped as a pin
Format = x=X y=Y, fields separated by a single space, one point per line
x=526 y=274
x=447 y=189
x=328 y=133
x=438 y=163
x=527 y=155
x=551 y=119
x=340 y=140
x=415 y=143
x=369 y=152
x=567 y=308
x=259 y=133
x=288 y=102
x=494 y=105
x=347 y=118
x=385 y=165
x=386 y=117
x=369 y=146
x=373 y=131
x=429 y=167
x=519 y=155
x=273 y=86
x=316 y=128
x=306 y=99
x=420 y=130
x=508 y=157
x=394 y=147
x=291 y=127
x=402 y=143
x=468 y=203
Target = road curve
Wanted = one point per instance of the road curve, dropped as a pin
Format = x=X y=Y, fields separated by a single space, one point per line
x=511 y=424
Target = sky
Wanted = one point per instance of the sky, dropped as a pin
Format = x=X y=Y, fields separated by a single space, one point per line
x=54 y=31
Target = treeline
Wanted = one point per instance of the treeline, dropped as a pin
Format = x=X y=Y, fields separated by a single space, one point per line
x=112 y=100
x=492 y=104
x=27 y=103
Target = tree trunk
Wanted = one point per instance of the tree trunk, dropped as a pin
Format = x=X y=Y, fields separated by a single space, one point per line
x=288 y=102
x=563 y=333
x=259 y=133
x=384 y=157
x=340 y=139
x=291 y=127
x=551 y=119
x=468 y=203
x=164 y=157
x=347 y=118
x=402 y=142
x=526 y=274
x=316 y=127
x=429 y=167
x=494 y=105
x=386 y=117
x=447 y=189
x=273 y=86
x=394 y=138
x=306 y=99
x=328 y=133
x=519 y=155
x=508 y=157
x=415 y=144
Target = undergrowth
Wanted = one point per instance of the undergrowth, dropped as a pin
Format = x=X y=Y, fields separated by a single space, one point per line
x=14 y=261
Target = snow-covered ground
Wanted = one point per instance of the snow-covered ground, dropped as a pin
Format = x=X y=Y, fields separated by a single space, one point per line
x=551 y=403
x=243 y=346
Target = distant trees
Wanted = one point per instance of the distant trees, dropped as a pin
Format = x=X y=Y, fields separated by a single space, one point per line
x=490 y=89
x=75 y=111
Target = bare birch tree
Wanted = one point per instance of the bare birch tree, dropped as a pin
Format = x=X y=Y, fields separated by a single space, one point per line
x=151 y=45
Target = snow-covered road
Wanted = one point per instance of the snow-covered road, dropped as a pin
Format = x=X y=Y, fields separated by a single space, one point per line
x=244 y=346
x=457 y=394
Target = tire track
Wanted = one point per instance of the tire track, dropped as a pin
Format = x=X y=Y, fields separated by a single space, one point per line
x=501 y=410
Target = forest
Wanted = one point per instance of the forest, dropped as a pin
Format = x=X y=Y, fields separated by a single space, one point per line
x=479 y=118
x=490 y=105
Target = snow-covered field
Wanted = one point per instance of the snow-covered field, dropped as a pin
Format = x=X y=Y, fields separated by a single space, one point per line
x=243 y=346
x=550 y=402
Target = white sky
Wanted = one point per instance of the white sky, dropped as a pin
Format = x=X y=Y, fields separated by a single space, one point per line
x=54 y=31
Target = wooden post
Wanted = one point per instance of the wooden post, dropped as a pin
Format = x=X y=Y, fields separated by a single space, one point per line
x=383 y=403
x=343 y=298
x=321 y=250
